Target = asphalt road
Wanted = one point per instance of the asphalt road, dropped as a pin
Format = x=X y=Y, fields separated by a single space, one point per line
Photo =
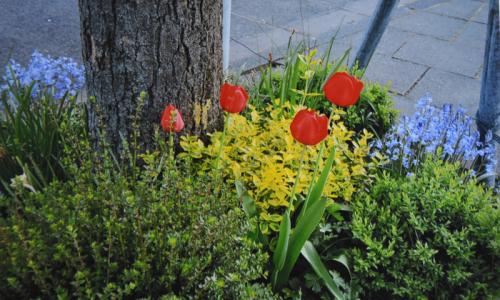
x=49 y=26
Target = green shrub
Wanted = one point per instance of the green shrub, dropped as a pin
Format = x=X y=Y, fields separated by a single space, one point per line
x=429 y=236
x=113 y=231
x=374 y=111
x=31 y=133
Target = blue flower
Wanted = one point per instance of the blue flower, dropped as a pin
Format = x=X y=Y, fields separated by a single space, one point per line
x=444 y=133
x=60 y=75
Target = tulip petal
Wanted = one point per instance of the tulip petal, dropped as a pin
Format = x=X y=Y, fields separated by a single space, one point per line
x=343 y=89
x=233 y=98
x=308 y=127
x=166 y=119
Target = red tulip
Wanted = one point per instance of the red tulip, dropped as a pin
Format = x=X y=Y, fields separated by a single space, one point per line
x=233 y=98
x=308 y=127
x=343 y=89
x=171 y=119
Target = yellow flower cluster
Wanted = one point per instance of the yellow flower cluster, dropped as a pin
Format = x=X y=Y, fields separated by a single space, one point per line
x=260 y=152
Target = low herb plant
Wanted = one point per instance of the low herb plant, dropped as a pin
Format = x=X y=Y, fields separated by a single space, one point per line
x=127 y=231
x=261 y=153
x=432 y=235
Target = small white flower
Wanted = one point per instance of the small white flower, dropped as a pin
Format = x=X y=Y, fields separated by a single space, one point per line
x=21 y=181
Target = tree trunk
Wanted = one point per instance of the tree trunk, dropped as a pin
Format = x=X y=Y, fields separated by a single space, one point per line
x=169 y=49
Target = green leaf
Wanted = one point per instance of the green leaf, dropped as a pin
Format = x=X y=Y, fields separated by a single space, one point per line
x=342 y=259
x=300 y=235
x=335 y=209
x=280 y=252
x=337 y=66
x=312 y=256
x=319 y=186
x=247 y=202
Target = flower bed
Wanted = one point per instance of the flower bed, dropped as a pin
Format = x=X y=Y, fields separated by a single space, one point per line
x=311 y=191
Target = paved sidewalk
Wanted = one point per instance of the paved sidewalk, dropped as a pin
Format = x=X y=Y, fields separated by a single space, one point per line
x=431 y=46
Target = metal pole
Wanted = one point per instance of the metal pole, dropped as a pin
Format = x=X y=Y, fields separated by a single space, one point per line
x=226 y=33
x=488 y=114
x=378 y=23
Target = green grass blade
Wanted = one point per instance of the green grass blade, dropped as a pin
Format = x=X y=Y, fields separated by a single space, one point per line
x=312 y=256
x=337 y=66
x=294 y=75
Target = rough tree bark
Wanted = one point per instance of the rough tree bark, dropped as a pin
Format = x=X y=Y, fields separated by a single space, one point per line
x=167 y=48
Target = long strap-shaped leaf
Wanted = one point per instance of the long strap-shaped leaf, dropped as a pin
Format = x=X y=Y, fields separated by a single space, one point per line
x=319 y=186
x=300 y=235
x=310 y=218
x=281 y=250
x=312 y=256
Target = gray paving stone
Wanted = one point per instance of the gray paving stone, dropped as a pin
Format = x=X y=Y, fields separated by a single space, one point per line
x=338 y=49
x=463 y=9
x=7 y=46
x=401 y=11
x=405 y=106
x=240 y=55
x=52 y=27
x=392 y=40
x=243 y=26
x=447 y=87
x=443 y=55
x=424 y=4
x=424 y=23
x=266 y=42
x=482 y=15
x=401 y=75
x=352 y=41
x=347 y=21
x=406 y=2
x=473 y=35
x=282 y=12
x=364 y=7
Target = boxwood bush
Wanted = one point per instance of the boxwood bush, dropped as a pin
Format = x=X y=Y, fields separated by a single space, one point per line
x=373 y=112
x=117 y=231
x=432 y=235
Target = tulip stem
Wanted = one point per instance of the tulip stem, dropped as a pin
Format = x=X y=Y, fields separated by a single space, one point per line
x=223 y=137
x=297 y=177
x=171 y=150
x=219 y=176
x=319 y=158
x=316 y=165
